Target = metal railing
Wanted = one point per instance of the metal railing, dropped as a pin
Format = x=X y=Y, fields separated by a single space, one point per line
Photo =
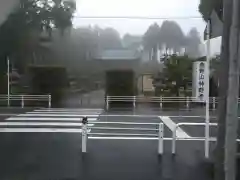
x=174 y=136
x=160 y=100
x=84 y=126
x=210 y=139
x=159 y=135
x=22 y=99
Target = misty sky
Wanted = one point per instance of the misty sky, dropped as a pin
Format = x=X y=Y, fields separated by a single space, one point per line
x=145 y=8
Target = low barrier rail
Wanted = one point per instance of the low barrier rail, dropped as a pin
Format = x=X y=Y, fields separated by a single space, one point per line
x=174 y=135
x=186 y=101
x=159 y=135
x=23 y=99
x=84 y=126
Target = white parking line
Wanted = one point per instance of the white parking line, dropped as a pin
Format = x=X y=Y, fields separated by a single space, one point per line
x=171 y=125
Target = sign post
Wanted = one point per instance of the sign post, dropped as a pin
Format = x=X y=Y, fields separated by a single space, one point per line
x=8 y=81
x=207 y=121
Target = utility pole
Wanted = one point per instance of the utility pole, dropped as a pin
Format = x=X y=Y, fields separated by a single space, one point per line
x=8 y=80
x=232 y=97
x=223 y=88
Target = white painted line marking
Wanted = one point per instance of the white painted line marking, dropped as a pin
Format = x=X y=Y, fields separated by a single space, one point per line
x=171 y=125
x=180 y=116
x=41 y=124
x=46 y=119
x=41 y=130
x=128 y=115
x=73 y=108
x=56 y=115
x=67 y=112
x=98 y=110
x=147 y=116
x=8 y=114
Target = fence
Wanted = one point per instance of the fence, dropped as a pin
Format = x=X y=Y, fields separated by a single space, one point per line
x=161 y=101
x=206 y=139
x=82 y=126
x=159 y=135
x=23 y=100
x=156 y=131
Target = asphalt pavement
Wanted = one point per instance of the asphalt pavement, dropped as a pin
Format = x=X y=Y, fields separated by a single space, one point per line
x=44 y=144
x=92 y=99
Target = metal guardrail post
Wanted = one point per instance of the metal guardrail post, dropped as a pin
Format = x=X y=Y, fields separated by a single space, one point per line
x=160 y=138
x=49 y=101
x=22 y=101
x=8 y=100
x=174 y=137
x=107 y=105
x=84 y=134
x=134 y=102
x=187 y=103
x=161 y=102
x=214 y=103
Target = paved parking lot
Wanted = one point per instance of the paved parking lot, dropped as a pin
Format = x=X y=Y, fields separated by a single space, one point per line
x=44 y=152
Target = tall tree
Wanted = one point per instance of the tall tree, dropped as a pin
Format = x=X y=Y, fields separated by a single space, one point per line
x=224 y=10
x=151 y=38
x=192 y=43
x=206 y=7
x=151 y=41
x=75 y=49
x=109 y=38
x=20 y=33
x=31 y=18
x=172 y=36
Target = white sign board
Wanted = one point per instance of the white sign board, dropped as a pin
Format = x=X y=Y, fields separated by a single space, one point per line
x=199 y=81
